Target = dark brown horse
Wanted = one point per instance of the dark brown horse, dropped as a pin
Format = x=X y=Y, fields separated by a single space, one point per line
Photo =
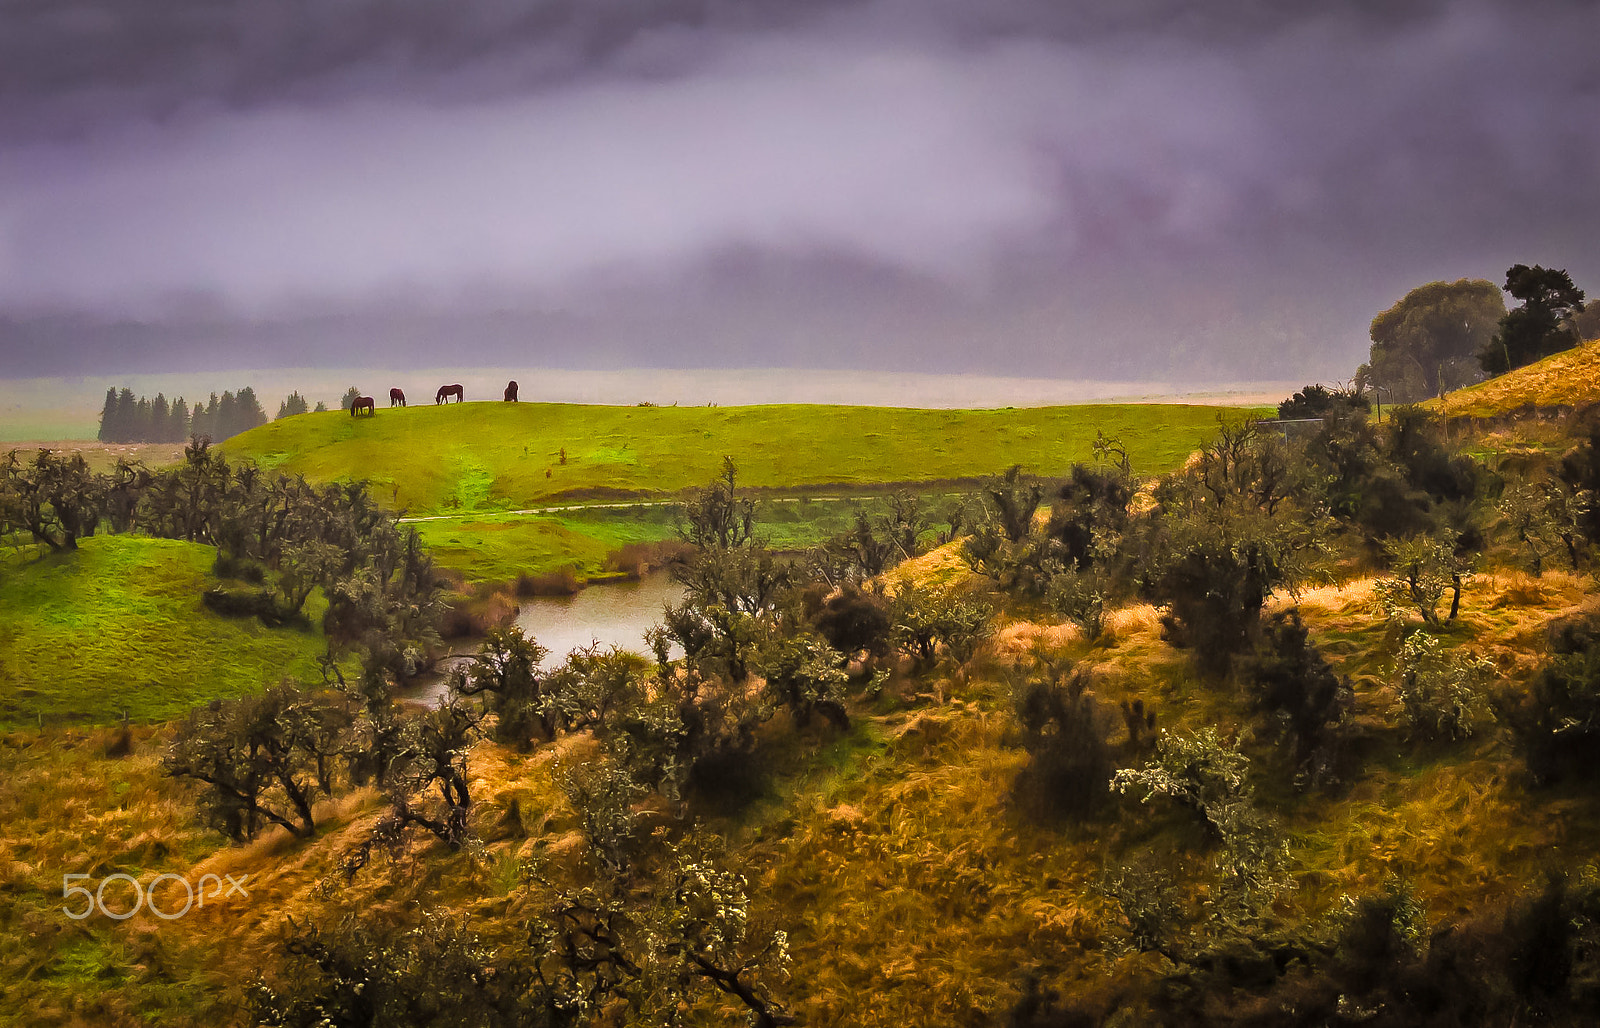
x=445 y=392
x=397 y=396
x=363 y=402
x=511 y=391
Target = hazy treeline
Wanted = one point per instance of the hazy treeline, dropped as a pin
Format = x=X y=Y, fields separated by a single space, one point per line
x=129 y=419
x=126 y=419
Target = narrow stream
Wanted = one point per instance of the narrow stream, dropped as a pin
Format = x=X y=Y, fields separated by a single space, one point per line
x=611 y=615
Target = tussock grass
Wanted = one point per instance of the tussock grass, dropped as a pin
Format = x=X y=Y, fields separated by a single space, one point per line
x=913 y=889
x=1570 y=378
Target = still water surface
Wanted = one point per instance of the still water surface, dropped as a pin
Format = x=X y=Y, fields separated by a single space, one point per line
x=611 y=615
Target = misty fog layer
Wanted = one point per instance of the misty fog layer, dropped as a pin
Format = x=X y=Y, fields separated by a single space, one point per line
x=1135 y=191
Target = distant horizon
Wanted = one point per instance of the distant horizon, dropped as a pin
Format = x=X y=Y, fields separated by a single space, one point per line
x=67 y=407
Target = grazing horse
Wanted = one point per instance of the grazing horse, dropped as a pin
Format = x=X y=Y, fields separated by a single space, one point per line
x=445 y=392
x=511 y=391
x=397 y=396
x=363 y=402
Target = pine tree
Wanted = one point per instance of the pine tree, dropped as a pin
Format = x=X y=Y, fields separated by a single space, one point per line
x=108 y=418
x=204 y=420
x=227 y=423
x=248 y=413
x=140 y=430
x=293 y=404
x=160 y=416
x=178 y=423
x=127 y=414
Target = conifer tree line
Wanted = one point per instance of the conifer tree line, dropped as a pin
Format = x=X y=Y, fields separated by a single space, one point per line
x=126 y=419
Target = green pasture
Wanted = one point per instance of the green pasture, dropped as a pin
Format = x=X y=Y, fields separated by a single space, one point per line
x=463 y=469
x=491 y=547
x=118 y=625
x=486 y=548
x=490 y=456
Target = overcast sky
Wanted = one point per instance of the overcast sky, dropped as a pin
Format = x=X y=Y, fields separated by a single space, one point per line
x=1134 y=189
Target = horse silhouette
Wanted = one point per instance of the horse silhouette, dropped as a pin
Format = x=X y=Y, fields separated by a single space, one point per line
x=363 y=401
x=445 y=392
x=511 y=391
x=397 y=396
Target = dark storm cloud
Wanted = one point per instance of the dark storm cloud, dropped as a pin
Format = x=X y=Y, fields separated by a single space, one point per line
x=1147 y=186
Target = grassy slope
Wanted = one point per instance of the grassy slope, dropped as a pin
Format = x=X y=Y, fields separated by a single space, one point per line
x=471 y=460
x=494 y=456
x=119 y=625
x=1563 y=379
x=913 y=891
x=498 y=548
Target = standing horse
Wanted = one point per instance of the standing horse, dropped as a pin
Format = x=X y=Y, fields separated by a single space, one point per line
x=445 y=392
x=511 y=391
x=397 y=396
x=363 y=402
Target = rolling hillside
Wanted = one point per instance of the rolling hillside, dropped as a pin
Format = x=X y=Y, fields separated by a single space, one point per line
x=1571 y=378
x=489 y=456
x=118 y=626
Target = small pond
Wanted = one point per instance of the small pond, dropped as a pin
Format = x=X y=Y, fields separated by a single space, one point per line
x=614 y=614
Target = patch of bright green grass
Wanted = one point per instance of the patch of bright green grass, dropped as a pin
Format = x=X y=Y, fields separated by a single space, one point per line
x=477 y=457
x=118 y=625
x=493 y=548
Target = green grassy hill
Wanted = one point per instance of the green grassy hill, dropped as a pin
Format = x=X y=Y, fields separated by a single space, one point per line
x=490 y=456
x=118 y=625
x=464 y=466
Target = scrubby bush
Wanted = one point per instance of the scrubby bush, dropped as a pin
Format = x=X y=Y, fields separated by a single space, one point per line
x=427 y=779
x=263 y=759
x=1316 y=401
x=1210 y=778
x=235 y=603
x=925 y=623
x=1580 y=473
x=1080 y=597
x=1541 y=519
x=435 y=973
x=854 y=621
x=1290 y=680
x=1089 y=515
x=1069 y=767
x=875 y=542
x=1441 y=691
x=505 y=672
x=1422 y=570
x=1228 y=532
x=1213 y=584
x=602 y=794
x=1011 y=500
x=1415 y=440
x=807 y=676
x=55 y=500
x=1557 y=722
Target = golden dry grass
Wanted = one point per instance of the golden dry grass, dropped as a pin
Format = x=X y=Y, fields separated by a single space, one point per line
x=913 y=889
x=1570 y=378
